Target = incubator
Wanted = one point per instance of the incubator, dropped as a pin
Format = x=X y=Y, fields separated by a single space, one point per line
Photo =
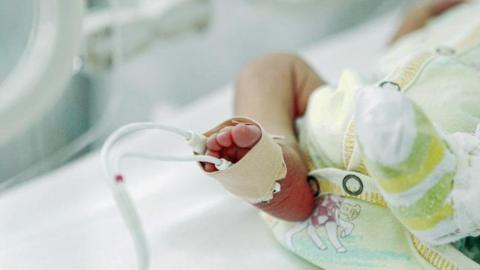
x=48 y=65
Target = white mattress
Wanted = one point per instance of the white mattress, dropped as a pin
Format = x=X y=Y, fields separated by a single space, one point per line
x=67 y=219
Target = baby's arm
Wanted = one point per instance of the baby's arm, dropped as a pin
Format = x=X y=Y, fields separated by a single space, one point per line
x=274 y=90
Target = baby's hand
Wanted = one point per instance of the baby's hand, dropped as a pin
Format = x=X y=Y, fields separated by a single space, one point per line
x=232 y=143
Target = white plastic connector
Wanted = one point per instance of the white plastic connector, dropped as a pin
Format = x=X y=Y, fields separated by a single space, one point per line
x=198 y=142
x=277 y=188
x=224 y=164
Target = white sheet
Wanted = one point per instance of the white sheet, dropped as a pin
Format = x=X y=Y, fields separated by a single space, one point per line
x=67 y=220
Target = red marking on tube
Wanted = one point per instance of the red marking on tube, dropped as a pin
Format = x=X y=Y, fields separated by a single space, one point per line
x=118 y=178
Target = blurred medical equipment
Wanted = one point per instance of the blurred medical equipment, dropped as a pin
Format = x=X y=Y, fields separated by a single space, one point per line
x=48 y=60
x=43 y=37
x=145 y=23
x=37 y=78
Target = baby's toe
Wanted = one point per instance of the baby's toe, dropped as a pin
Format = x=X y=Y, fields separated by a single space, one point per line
x=245 y=135
x=212 y=143
x=224 y=137
x=230 y=153
x=209 y=167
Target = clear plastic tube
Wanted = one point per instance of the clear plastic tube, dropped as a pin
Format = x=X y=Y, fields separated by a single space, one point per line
x=116 y=180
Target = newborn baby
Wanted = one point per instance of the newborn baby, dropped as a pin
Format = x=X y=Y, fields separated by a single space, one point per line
x=277 y=89
x=274 y=90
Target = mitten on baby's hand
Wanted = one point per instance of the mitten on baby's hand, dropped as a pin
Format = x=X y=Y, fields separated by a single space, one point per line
x=410 y=161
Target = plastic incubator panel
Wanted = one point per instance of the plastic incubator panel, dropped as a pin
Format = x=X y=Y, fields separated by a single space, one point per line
x=49 y=32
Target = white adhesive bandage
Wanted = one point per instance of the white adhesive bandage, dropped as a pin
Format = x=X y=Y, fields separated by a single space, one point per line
x=254 y=177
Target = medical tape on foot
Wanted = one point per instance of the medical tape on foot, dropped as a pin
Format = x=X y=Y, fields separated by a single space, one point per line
x=253 y=177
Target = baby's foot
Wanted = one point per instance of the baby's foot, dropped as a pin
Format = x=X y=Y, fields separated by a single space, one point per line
x=295 y=200
x=232 y=143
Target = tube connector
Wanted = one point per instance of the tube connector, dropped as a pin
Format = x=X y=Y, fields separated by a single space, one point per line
x=224 y=164
x=198 y=142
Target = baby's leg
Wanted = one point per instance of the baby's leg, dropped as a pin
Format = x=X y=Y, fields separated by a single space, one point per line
x=273 y=90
